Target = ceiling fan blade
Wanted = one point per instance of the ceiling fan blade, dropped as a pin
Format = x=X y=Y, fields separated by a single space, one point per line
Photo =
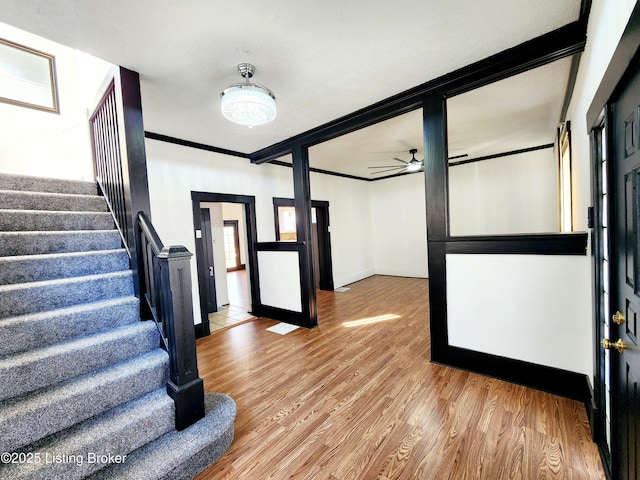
x=400 y=160
x=388 y=166
x=394 y=169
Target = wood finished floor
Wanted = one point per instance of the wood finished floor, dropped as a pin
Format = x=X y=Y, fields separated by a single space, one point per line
x=362 y=401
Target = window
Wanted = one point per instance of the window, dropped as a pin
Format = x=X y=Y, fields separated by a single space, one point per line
x=564 y=168
x=27 y=77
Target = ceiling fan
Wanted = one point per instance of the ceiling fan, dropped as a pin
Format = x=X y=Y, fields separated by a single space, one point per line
x=413 y=165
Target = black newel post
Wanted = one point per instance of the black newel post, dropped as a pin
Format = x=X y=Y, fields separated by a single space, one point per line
x=184 y=386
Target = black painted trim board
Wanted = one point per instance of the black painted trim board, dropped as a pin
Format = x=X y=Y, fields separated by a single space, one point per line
x=574 y=243
x=548 y=379
x=188 y=143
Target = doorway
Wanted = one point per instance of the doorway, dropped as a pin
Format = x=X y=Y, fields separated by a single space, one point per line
x=285 y=227
x=225 y=235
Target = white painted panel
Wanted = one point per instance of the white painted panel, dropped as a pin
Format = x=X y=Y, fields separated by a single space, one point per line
x=535 y=308
x=514 y=194
x=280 y=280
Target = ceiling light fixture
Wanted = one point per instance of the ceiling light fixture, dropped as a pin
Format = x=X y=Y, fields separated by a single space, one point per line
x=248 y=103
x=414 y=164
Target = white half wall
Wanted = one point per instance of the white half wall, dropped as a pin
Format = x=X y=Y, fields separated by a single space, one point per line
x=513 y=194
x=546 y=320
x=400 y=226
x=280 y=280
x=46 y=144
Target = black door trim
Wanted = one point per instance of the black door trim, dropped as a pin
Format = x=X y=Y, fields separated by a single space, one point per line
x=324 y=237
x=249 y=202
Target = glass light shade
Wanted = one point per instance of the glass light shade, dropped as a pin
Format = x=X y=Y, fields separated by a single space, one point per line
x=414 y=166
x=248 y=104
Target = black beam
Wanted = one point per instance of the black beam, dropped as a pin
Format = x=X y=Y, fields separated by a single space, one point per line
x=435 y=172
x=302 y=203
x=560 y=43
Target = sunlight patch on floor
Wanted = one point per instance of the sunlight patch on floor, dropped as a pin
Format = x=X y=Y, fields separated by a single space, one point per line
x=369 y=320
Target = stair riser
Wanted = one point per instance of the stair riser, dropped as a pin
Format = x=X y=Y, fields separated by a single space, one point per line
x=30 y=220
x=201 y=444
x=37 y=243
x=29 y=298
x=117 y=432
x=13 y=200
x=50 y=414
x=41 y=330
x=40 y=184
x=26 y=374
x=29 y=269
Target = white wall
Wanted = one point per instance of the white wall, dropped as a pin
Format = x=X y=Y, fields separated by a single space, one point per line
x=606 y=24
x=46 y=144
x=514 y=194
x=174 y=171
x=399 y=226
x=526 y=307
x=351 y=217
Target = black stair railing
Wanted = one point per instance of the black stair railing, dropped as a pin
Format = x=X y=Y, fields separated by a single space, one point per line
x=162 y=276
x=166 y=289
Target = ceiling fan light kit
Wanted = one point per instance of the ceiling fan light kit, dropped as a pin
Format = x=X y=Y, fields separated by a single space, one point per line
x=248 y=103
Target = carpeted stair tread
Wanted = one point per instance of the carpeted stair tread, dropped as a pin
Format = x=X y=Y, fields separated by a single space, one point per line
x=180 y=455
x=24 y=298
x=29 y=418
x=42 y=220
x=36 y=330
x=42 y=184
x=43 y=367
x=116 y=432
x=24 y=200
x=35 y=268
x=34 y=243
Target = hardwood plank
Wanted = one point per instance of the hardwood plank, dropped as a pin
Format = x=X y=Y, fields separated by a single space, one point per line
x=361 y=400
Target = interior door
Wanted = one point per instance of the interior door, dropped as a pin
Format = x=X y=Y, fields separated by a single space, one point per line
x=207 y=245
x=623 y=332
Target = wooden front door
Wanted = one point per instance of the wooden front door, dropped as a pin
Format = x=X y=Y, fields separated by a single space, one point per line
x=624 y=353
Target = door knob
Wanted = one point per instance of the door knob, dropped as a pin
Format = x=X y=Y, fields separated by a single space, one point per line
x=608 y=344
x=618 y=318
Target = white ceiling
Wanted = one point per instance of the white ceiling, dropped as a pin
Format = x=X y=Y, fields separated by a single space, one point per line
x=322 y=59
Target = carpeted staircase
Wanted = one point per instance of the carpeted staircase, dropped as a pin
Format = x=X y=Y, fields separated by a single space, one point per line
x=82 y=379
